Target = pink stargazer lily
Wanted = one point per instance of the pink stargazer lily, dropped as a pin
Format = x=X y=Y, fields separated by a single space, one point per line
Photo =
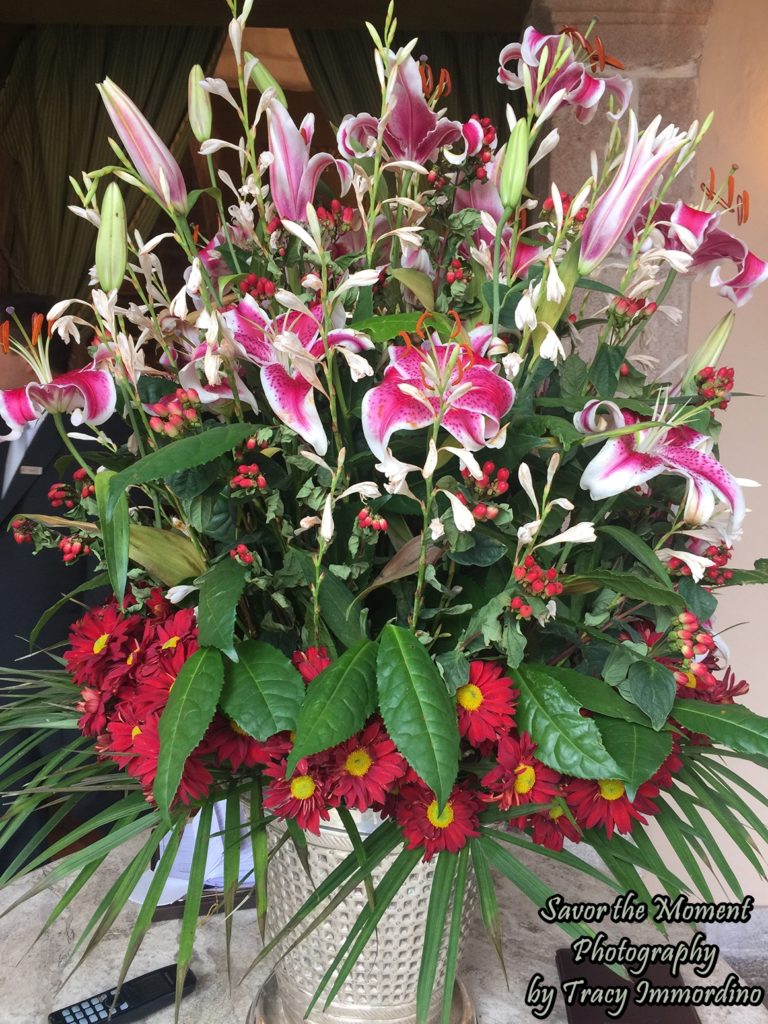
x=582 y=87
x=421 y=383
x=685 y=228
x=88 y=396
x=632 y=459
x=644 y=158
x=288 y=349
x=152 y=159
x=412 y=131
x=293 y=174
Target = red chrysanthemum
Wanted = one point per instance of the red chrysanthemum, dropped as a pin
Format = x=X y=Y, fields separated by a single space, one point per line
x=165 y=647
x=364 y=769
x=519 y=777
x=311 y=662
x=97 y=640
x=605 y=802
x=93 y=711
x=551 y=827
x=425 y=825
x=670 y=766
x=229 y=743
x=302 y=797
x=486 y=703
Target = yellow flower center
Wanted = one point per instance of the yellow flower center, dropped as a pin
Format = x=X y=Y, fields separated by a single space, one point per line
x=101 y=643
x=470 y=697
x=611 y=789
x=691 y=683
x=131 y=658
x=302 y=787
x=135 y=731
x=444 y=818
x=236 y=728
x=556 y=812
x=171 y=643
x=358 y=763
x=526 y=778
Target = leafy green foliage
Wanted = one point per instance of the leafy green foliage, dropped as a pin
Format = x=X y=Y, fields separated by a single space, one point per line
x=697 y=598
x=262 y=692
x=730 y=724
x=338 y=703
x=637 y=751
x=637 y=587
x=220 y=591
x=417 y=710
x=652 y=688
x=114 y=533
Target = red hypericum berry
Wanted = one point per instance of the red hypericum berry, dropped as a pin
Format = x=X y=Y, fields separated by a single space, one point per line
x=481 y=174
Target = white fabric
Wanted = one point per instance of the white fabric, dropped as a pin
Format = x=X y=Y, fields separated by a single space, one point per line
x=15 y=453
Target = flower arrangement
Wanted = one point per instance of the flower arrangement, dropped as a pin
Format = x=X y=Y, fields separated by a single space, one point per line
x=385 y=535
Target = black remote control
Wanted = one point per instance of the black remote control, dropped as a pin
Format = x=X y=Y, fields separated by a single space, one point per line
x=138 y=999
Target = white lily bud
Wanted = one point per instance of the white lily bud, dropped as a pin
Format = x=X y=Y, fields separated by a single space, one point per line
x=326 y=523
x=526 y=482
x=581 y=533
x=430 y=464
x=551 y=347
x=463 y=519
x=436 y=529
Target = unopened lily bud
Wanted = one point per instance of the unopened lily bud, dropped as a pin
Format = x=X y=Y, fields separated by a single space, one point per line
x=709 y=353
x=154 y=162
x=514 y=170
x=263 y=79
x=199 y=101
x=111 y=242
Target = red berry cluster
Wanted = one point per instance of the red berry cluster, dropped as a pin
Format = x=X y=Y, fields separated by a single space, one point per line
x=81 y=478
x=248 y=478
x=628 y=309
x=493 y=483
x=372 y=521
x=175 y=414
x=73 y=547
x=717 y=384
x=437 y=181
x=456 y=272
x=536 y=580
x=22 y=530
x=486 y=153
x=275 y=227
x=338 y=218
x=721 y=555
x=696 y=647
x=251 y=445
x=524 y=611
x=241 y=555
x=258 y=287
x=566 y=198
x=61 y=496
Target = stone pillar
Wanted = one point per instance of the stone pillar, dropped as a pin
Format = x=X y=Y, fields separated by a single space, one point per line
x=660 y=43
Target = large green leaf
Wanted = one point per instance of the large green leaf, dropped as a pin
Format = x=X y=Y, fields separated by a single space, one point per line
x=220 y=590
x=594 y=694
x=733 y=725
x=337 y=704
x=417 y=709
x=114 y=532
x=386 y=328
x=637 y=750
x=262 y=691
x=166 y=554
x=697 y=598
x=183 y=453
x=565 y=739
x=652 y=688
x=437 y=916
x=191 y=705
x=642 y=551
x=341 y=613
x=418 y=283
x=638 y=588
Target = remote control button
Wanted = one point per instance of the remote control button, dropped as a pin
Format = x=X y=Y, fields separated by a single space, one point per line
x=67 y=1016
x=92 y=1018
x=103 y=1014
x=123 y=1006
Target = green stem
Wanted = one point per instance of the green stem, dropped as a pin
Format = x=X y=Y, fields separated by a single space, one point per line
x=69 y=446
x=496 y=261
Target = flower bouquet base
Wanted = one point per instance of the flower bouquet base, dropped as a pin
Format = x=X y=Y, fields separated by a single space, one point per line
x=268 y=1008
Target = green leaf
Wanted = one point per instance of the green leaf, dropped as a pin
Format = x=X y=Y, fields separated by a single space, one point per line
x=637 y=547
x=697 y=598
x=437 y=915
x=489 y=904
x=184 y=453
x=169 y=556
x=454 y=936
x=341 y=613
x=637 y=750
x=92 y=584
x=385 y=328
x=593 y=694
x=262 y=691
x=454 y=666
x=573 y=376
x=114 y=532
x=604 y=371
x=639 y=588
x=733 y=725
x=596 y=286
x=565 y=739
x=220 y=591
x=484 y=550
x=231 y=840
x=337 y=704
x=418 y=712
x=191 y=705
x=652 y=688
x=748 y=576
x=193 y=897
x=418 y=283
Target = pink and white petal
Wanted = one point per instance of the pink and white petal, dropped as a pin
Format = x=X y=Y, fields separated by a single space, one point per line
x=411 y=120
x=348 y=338
x=309 y=179
x=739 y=288
x=599 y=415
x=469 y=428
x=214 y=395
x=249 y=324
x=699 y=504
x=17 y=411
x=386 y=409
x=87 y=395
x=480 y=338
x=694 y=222
x=444 y=133
x=524 y=256
x=289 y=149
x=357 y=135
x=490 y=394
x=473 y=133
x=705 y=471
x=293 y=401
x=621 y=88
x=345 y=173
x=618 y=467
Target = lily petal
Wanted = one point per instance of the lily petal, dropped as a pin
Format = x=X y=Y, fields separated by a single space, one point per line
x=386 y=409
x=17 y=411
x=87 y=395
x=292 y=400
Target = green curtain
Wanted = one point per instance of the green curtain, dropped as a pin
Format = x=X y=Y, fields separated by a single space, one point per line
x=340 y=67
x=53 y=125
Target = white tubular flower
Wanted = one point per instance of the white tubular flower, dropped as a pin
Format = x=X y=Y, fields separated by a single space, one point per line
x=525 y=312
x=462 y=517
x=527 y=532
x=436 y=529
x=326 y=523
x=524 y=476
x=698 y=564
x=555 y=287
x=581 y=533
x=511 y=365
x=430 y=464
x=552 y=347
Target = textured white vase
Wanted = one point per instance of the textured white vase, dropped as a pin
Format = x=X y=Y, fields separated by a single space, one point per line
x=382 y=984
